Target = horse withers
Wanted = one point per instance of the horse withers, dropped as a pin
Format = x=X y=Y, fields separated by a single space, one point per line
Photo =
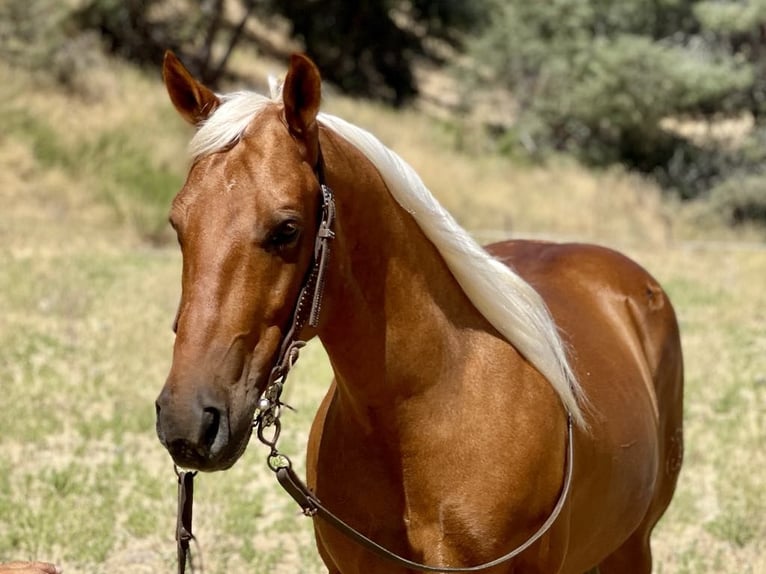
x=443 y=436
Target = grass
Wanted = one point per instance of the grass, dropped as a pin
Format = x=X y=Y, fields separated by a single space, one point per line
x=107 y=144
x=86 y=304
x=713 y=524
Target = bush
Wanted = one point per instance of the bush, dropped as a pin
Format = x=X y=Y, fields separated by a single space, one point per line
x=40 y=36
x=741 y=200
x=597 y=78
x=32 y=32
x=366 y=48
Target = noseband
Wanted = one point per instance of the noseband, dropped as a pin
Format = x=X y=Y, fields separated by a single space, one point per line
x=268 y=426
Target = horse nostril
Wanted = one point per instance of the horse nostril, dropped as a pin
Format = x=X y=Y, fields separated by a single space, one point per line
x=211 y=422
x=157 y=424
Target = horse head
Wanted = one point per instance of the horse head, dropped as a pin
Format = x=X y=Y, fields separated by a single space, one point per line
x=245 y=218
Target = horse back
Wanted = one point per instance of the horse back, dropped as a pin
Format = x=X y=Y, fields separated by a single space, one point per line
x=595 y=293
x=622 y=334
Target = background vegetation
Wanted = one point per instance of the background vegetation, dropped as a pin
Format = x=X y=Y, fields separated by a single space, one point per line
x=609 y=82
x=91 y=153
x=616 y=82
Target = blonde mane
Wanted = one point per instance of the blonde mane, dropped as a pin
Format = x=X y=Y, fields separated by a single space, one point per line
x=508 y=302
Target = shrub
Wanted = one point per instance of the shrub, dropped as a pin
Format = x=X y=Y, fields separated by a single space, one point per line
x=597 y=78
x=741 y=199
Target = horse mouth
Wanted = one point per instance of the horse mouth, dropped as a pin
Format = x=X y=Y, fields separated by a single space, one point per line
x=207 y=459
x=188 y=457
x=207 y=426
x=211 y=441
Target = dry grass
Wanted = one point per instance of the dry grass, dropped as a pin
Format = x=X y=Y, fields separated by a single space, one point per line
x=86 y=305
x=714 y=523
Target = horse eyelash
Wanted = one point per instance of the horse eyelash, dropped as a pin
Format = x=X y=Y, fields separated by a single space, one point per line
x=278 y=240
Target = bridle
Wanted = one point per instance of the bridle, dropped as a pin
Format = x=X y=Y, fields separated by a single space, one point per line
x=268 y=426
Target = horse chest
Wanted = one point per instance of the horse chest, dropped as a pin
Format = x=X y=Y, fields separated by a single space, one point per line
x=438 y=501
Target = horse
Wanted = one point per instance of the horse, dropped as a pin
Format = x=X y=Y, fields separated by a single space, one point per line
x=476 y=390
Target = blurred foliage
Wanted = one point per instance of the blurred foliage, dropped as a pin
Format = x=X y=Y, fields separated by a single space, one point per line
x=141 y=31
x=23 y=26
x=39 y=35
x=740 y=199
x=366 y=48
x=597 y=78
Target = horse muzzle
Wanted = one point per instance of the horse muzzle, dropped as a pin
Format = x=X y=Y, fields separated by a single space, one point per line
x=198 y=430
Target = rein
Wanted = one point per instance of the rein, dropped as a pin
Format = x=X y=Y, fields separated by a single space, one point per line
x=311 y=506
x=268 y=425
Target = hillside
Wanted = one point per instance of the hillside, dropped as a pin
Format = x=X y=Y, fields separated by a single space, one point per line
x=89 y=281
x=101 y=137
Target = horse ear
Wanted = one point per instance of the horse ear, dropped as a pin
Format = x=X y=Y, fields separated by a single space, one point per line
x=193 y=101
x=301 y=94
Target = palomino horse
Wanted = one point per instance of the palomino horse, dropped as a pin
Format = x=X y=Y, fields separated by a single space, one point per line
x=444 y=435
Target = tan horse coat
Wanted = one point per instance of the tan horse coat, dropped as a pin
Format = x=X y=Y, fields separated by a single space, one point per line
x=437 y=439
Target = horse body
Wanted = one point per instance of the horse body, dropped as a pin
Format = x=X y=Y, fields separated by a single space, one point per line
x=432 y=410
x=626 y=351
x=438 y=438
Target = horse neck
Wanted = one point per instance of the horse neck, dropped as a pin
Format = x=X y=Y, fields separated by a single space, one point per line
x=395 y=318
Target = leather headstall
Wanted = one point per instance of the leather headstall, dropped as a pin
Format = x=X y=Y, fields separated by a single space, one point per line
x=307 y=309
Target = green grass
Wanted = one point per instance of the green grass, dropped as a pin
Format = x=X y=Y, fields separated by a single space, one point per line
x=85 y=342
x=84 y=481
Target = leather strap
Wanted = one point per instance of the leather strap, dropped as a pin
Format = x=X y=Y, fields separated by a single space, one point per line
x=307 y=309
x=311 y=506
x=269 y=406
x=184 y=518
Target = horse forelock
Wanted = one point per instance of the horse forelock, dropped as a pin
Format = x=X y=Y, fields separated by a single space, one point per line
x=507 y=301
x=227 y=124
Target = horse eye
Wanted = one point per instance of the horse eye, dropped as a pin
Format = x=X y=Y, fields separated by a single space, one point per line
x=284 y=235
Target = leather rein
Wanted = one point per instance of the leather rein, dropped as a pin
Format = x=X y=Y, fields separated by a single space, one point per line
x=268 y=426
